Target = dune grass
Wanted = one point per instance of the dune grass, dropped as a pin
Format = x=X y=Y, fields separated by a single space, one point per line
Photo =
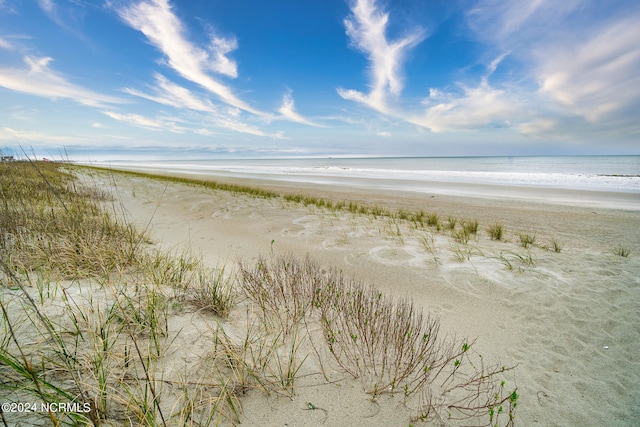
x=90 y=315
x=622 y=251
x=420 y=218
x=496 y=231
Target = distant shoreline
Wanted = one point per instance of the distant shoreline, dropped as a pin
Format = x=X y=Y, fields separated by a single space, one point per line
x=340 y=186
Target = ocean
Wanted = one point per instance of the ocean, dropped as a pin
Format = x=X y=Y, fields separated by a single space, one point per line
x=589 y=173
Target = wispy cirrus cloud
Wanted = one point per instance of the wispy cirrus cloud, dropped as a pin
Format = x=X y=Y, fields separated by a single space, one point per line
x=580 y=61
x=39 y=138
x=47 y=5
x=4 y=44
x=507 y=24
x=161 y=123
x=168 y=93
x=171 y=94
x=202 y=124
x=40 y=80
x=367 y=28
x=569 y=66
x=156 y=20
x=474 y=108
x=595 y=76
x=64 y=16
x=288 y=111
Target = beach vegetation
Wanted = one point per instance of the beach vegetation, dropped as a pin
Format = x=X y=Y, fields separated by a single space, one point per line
x=451 y=222
x=524 y=259
x=622 y=251
x=496 y=231
x=433 y=220
x=91 y=310
x=429 y=245
x=527 y=239
x=402 y=214
x=556 y=245
x=461 y=235
x=470 y=226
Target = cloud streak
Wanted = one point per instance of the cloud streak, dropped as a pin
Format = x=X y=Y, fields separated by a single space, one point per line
x=288 y=111
x=39 y=138
x=568 y=66
x=475 y=108
x=156 y=20
x=168 y=124
x=597 y=76
x=40 y=80
x=367 y=29
x=171 y=94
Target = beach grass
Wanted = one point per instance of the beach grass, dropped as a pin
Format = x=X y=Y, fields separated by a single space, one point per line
x=90 y=312
x=496 y=231
x=556 y=245
x=527 y=239
x=622 y=251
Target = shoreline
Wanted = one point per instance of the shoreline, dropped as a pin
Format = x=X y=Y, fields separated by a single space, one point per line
x=454 y=191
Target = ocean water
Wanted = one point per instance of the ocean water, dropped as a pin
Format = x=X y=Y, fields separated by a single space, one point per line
x=619 y=174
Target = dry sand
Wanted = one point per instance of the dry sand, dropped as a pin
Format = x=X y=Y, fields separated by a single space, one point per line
x=568 y=320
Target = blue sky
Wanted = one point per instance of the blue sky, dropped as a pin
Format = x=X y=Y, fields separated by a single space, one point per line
x=210 y=78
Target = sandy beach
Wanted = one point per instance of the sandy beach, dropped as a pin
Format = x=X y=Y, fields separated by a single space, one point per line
x=567 y=320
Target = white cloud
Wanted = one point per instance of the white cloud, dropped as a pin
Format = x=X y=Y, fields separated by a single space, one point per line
x=169 y=93
x=575 y=69
x=38 y=138
x=201 y=124
x=38 y=79
x=63 y=16
x=239 y=126
x=146 y=122
x=511 y=23
x=4 y=44
x=47 y=5
x=541 y=126
x=222 y=64
x=476 y=107
x=289 y=112
x=367 y=30
x=597 y=75
x=156 y=20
